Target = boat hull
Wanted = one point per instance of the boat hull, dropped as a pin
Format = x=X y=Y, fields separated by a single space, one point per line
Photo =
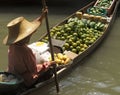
x=80 y=57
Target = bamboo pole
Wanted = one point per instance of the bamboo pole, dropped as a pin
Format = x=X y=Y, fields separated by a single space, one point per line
x=51 y=47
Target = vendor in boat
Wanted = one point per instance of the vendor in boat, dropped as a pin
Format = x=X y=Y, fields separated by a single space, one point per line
x=21 y=59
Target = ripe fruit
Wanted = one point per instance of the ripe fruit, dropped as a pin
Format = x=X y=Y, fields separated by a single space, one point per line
x=78 y=34
x=66 y=45
x=61 y=59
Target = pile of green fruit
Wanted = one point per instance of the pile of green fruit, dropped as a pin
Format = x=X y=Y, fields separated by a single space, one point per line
x=79 y=34
x=97 y=11
x=104 y=3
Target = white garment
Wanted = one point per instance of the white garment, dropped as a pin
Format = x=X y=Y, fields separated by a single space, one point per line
x=41 y=52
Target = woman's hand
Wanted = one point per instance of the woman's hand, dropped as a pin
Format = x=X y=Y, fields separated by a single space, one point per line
x=35 y=76
x=53 y=62
x=44 y=12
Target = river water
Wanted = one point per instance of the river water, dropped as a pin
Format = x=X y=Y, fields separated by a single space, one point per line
x=98 y=74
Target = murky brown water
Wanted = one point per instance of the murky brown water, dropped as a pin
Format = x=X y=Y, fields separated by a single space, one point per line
x=100 y=72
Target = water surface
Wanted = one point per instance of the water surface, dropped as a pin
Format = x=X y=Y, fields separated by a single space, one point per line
x=99 y=73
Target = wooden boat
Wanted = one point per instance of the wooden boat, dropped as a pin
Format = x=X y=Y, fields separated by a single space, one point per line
x=77 y=57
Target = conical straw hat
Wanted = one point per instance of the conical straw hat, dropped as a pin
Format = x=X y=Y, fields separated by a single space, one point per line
x=18 y=29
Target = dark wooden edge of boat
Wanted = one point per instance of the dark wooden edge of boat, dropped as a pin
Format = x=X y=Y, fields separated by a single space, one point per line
x=80 y=56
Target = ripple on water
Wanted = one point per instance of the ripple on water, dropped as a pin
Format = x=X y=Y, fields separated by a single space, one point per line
x=116 y=88
x=96 y=93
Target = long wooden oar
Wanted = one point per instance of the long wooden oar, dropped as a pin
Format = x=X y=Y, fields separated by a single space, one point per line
x=51 y=47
